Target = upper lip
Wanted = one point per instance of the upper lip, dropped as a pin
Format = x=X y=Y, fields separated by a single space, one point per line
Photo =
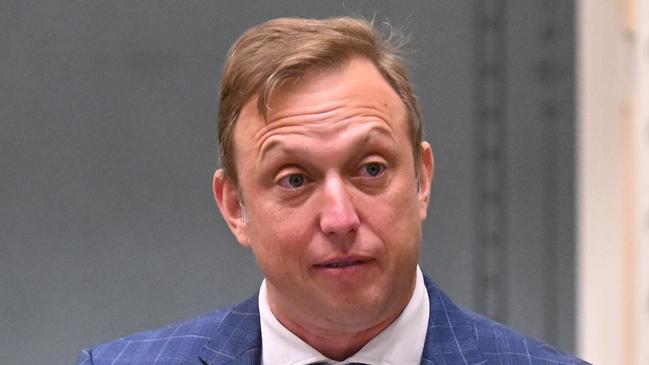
x=343 y=260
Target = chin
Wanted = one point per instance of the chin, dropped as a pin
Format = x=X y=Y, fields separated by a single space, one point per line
x=356 y=313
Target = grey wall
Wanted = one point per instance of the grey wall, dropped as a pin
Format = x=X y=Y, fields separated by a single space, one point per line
x=107 y=148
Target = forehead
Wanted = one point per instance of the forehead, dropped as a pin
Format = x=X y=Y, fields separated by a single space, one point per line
x=324 y=101
x=356 y=80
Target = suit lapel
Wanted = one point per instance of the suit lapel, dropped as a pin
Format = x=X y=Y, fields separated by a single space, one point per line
x=237 y=340
x=451 y=335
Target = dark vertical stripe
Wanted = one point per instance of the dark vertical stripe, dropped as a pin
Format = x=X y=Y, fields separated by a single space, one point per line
x=490 y=161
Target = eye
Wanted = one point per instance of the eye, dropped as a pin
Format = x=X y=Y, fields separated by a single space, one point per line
x=372 y=169
x=292 y=181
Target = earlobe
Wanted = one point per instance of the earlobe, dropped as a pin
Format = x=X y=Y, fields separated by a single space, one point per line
x=426 y=172
x=227 y=199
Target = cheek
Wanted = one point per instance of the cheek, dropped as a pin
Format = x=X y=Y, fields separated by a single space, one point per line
x=396 y=209
x=278 y=223
x=278 y=238
x=395 y=219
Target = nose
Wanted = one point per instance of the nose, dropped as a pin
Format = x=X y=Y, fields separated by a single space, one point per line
x=338 y=216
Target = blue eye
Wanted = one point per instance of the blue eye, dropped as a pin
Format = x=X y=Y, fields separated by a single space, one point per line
x=292 y=181
x=373 y=169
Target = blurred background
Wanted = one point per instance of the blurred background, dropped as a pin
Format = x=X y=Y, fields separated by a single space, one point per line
x=537 y=112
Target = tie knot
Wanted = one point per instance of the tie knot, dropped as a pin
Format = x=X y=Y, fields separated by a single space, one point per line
x=328 y=363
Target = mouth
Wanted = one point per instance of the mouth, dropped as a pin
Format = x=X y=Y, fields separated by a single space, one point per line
x=342 y=263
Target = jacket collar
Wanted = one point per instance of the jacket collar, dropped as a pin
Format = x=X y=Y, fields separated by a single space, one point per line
x=237 y=339
x=450 y=338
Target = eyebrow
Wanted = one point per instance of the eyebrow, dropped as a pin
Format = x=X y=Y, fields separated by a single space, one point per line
x=361 y=139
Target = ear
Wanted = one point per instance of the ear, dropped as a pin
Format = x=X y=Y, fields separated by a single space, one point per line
x=227 y=199
x=426 y=172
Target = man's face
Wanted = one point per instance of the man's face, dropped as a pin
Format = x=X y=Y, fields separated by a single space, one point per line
x=334 y=206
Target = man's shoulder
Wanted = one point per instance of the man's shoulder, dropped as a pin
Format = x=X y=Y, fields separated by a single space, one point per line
x=459 y=335
x=499 y=343
x=179 y=343
x=216 y=338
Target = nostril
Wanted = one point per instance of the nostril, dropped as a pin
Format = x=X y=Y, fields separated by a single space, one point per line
x=340 y=224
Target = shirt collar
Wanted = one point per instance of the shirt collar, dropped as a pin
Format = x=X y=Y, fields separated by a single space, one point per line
x=402 y=342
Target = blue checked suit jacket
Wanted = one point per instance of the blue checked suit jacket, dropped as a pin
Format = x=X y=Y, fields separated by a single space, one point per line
x=233 y=337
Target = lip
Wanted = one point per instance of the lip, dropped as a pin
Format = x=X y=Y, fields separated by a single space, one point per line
x=342 y=262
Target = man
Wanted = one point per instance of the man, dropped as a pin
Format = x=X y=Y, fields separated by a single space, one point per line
x=327 y=180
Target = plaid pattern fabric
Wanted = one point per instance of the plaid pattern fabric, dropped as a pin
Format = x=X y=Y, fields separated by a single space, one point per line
x=458 y=336
x=233 y=337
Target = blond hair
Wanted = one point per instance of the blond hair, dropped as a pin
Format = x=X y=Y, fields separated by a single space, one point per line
x=278 y=50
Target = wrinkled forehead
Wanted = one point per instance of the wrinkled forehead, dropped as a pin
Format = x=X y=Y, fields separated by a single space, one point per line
x=322 y=106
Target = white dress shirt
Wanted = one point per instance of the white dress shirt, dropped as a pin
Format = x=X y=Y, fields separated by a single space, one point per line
x=401 y=343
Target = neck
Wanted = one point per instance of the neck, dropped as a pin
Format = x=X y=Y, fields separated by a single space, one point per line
x=336 y=345
x=336 y=341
